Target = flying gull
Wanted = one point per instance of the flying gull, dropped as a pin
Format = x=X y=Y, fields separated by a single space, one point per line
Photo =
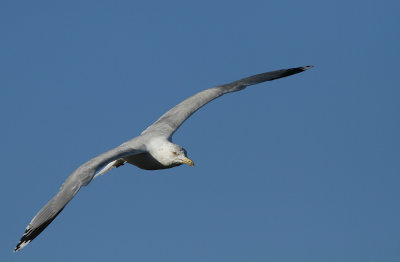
x=152 y=150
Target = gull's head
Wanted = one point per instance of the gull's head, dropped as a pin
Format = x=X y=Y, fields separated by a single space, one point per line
x=169 y=154
x=179 y=156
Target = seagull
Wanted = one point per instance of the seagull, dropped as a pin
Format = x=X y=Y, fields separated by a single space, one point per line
x=153 y=149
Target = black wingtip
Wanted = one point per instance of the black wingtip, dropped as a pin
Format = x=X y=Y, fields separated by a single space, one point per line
x=25 y=240
x=32 y=232
x=307 y=67
x=283 y=73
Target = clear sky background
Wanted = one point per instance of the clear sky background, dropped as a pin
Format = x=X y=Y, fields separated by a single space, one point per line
x=304 y=168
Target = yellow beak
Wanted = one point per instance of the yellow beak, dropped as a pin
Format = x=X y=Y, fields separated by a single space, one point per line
x=187 y=161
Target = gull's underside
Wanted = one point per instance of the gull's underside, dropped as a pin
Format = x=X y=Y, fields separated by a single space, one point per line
x=151 y=150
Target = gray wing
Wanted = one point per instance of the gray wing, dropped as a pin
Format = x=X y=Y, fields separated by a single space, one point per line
x=80 y=177
x=168 y=123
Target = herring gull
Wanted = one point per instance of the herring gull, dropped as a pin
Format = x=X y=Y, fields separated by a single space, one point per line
x=152 y=149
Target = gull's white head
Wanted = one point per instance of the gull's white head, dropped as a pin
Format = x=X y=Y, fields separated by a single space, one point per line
x=179 y=156
x=169 y=154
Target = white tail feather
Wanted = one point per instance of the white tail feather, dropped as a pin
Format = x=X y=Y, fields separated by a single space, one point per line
x=109 y=166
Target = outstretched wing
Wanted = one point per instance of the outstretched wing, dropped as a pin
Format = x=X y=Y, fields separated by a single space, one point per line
x=80 y=177
x=168 y=123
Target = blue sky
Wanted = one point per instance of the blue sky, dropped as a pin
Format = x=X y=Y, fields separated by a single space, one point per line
x=304 y=168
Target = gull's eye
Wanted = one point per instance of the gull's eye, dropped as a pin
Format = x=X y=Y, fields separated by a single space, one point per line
x=175 y=153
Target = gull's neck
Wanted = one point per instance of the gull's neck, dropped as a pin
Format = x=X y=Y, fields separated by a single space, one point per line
x=161 y=149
